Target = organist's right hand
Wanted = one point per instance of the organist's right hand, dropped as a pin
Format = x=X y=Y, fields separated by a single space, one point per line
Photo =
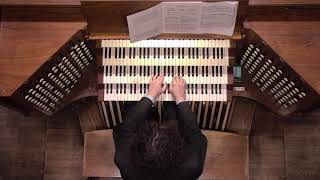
x=178 y=89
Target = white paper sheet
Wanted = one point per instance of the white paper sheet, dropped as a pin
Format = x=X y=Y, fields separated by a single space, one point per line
x=183 y=17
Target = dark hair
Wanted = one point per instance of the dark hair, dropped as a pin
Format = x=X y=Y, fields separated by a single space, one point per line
x=158 y=146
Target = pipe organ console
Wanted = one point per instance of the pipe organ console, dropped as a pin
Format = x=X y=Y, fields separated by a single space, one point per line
x=122 y=69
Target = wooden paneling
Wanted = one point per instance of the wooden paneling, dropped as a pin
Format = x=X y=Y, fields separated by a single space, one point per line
x=99 y=154
x=227 y=156
x=25 y=45
x=297 y=43
x=302 y=146
x=22 y=145
x=64 y=147
x=267 y=160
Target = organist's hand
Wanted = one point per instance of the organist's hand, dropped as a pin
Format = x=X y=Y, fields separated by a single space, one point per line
x=156 y=87
x=178 y=89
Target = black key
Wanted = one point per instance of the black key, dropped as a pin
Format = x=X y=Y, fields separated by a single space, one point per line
x=111 y=88
x=130 y=88
x=183 y=53
x=144 y=88
x=158 y=70
x=197 y=70
x=154 y=52
x=179 y=53
x=117 y=88
x=124 y=70
x=130 y=71
x=169 y=53
x=183 y=70
x=140 y=53
x=109 y=53
x=202 y=70
x=212 y=92
x=106 y=72
x=172 y=70
x=192 y=89
x=193 y=53
x=140 y=70
x=220 y=71
x=158 y=53
x=218 y=54
x=207 y=71
x=120 y=74
x=123 y=52
x=188 y=88
x=203 y=53
x=217 y=71
x=144 y=53
x=110 y=68
x=207 y=53
x=120 y=53
x=172 y=53
x=196 y=88
x=135 y=89
x=134 y=70
x=134 y=52
x=130 y=52
x=213 y=70
x=148 y=53
x=214 y=53
x=149 y=71
x=154 y=70
x=121 y=89
x=165 y=53
x=125 y=89
x=144 y=71
x=221 y=54
x=206 y=88
x=179 y=70
x=216 y=88
x=189 y=53
x=140 y=88
x=219 y=88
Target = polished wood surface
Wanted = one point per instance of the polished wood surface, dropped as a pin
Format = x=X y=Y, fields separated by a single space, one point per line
x=225 y=151
x=25 y=44
x=298 y=43
x=99 y=154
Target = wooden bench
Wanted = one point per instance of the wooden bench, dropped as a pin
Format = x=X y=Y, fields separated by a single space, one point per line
x=226 y=159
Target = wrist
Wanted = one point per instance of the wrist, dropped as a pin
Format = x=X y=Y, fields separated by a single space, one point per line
x=180 y=99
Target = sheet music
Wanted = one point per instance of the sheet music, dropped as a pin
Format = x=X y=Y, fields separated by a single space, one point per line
x=183 y=17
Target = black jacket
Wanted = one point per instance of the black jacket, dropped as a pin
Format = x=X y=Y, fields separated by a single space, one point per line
x=188 y=128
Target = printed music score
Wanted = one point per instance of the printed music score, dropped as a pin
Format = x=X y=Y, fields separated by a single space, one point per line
x=183 y=17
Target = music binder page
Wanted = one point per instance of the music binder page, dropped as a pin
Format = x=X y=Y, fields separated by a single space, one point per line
x=183 y=17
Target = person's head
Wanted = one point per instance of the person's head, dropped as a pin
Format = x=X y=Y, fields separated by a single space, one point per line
x=158 y=147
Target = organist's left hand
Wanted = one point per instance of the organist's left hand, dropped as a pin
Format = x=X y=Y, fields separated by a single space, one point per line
x=156 y=87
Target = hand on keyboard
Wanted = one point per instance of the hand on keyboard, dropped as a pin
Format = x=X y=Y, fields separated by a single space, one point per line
x=156 y=86
x=178 y=89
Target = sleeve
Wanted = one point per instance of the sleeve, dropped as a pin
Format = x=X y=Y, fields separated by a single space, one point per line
x=124 y=136
x=136 y=116
x=193 y=165
x=187 y=121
